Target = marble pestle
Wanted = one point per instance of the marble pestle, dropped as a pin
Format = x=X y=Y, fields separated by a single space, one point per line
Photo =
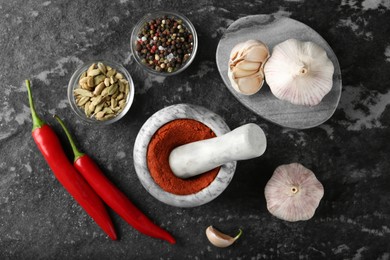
x=245 y=142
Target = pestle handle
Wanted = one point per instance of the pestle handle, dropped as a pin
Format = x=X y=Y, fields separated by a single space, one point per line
x=245 y=142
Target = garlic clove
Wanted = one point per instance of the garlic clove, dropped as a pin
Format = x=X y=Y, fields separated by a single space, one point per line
x=233 y=81
x=236 y=51
x=250 y=85
x=247 y=85
x=299 y=72
x=220 y=239
x=247 y=65
x=257 y=54
x=293 y=193
x=239 y=73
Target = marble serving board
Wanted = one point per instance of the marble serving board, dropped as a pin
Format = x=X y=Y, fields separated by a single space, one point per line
x=272 y=30
x=157 y=120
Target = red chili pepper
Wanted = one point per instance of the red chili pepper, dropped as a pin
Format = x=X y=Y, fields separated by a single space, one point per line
x=51 y=149
x=112 y=196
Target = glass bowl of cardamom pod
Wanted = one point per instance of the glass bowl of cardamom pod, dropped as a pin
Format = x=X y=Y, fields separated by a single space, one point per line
x=101 y=92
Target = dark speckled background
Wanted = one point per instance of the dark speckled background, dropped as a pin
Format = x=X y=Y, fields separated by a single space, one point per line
x=46 y=40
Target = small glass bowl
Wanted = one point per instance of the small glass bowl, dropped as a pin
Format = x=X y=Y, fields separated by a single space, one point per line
x=150 y=16
x=74 y=83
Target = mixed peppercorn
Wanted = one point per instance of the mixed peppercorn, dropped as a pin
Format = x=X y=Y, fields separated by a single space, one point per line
x=164 y=44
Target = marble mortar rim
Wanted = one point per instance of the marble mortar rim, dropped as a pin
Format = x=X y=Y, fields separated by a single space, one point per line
x=158 y=119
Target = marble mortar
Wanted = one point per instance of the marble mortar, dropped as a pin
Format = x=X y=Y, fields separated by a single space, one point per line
x=157 y=120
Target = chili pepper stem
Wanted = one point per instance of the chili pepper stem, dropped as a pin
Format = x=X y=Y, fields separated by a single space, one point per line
x=37 y=122
x=76 y=152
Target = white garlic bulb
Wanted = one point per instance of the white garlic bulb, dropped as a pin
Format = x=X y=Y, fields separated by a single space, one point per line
x=299 y=72
x=246 y=66
x=293 y=193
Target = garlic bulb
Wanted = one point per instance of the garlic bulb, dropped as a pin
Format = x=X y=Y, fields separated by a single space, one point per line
x=299 y=72
x=293 y=193
x=246 y=66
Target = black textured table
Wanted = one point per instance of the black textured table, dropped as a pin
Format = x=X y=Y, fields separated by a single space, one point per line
x=46 y=40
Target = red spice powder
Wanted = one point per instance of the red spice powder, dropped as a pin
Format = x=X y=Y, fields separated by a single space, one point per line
x=167 y=138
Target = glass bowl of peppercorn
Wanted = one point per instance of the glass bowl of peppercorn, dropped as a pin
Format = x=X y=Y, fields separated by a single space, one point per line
x=164 y=43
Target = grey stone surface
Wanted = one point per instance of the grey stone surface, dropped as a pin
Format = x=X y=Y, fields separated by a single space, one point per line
x=273 y=30
x=157 y=120
x=46 y=41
